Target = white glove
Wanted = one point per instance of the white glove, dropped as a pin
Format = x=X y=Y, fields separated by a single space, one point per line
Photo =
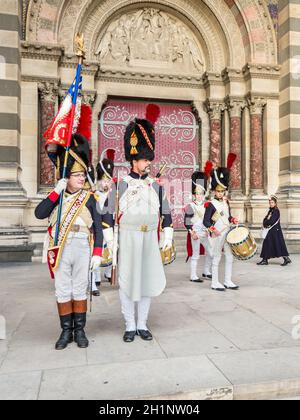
x=61 y=186
x=95 y=262
x=168 y=239
x=109 y=239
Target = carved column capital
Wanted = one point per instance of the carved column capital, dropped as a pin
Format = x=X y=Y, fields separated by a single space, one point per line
x=48 y=91
x=235 y=106
x=89 y=98
x=256 y=105
x=214 y=109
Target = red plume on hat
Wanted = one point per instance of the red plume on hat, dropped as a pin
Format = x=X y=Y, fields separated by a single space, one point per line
x=152 y=113
x=110 y=153
x=230 y=160
x=208 y=168
x=85 y=122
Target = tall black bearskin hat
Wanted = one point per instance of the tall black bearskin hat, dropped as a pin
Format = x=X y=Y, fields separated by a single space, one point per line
x=220 y=177
x=78 y=160
x=199 y=183
x=105 y=167
x=139 y=138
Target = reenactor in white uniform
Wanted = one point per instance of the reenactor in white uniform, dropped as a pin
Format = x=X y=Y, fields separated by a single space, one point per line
x=142 y=207
x=197 y=233
x=80 y=235
x=218 y=221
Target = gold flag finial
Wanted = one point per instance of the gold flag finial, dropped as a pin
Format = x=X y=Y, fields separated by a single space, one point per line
x=79 y=42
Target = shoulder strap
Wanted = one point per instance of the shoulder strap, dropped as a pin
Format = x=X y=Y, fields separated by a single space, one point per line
x=276 y=223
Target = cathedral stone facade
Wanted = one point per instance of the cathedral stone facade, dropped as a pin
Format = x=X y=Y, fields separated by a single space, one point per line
x=226 y=73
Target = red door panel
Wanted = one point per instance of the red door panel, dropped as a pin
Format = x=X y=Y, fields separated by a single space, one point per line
x=177 y=139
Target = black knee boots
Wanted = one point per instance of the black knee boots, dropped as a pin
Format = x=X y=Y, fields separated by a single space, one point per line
x=66 y=323
x=80 y=309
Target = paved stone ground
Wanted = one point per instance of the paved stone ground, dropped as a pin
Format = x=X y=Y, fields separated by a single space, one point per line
x=207 y=345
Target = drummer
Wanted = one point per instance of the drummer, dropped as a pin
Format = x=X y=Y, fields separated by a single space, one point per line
x=218 y=220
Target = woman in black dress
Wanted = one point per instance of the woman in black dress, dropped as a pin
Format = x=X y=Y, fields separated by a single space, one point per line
x=274 y=245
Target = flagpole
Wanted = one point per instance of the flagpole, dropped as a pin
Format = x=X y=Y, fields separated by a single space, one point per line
x=80 y=54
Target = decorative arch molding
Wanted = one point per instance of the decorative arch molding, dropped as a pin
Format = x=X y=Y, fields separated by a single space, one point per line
x=95 y=17
x=238 y=26
x=260 y=40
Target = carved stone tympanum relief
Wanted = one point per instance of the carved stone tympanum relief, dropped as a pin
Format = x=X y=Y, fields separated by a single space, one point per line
x=150 y=38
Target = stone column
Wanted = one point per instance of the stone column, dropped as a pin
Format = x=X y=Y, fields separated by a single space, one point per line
x=204 y=143
x=289 y=57
x=235 y=108
x=215 y=110
x=48 y=98
x=101 y=99
x=14 y=237
x=256 y=106
x=10 y=92
x=289 y=122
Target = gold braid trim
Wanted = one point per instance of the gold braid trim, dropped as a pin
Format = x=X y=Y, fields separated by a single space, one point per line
x=146 y=136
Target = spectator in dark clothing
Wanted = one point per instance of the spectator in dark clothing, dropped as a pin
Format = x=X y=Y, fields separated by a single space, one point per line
x=274 y=244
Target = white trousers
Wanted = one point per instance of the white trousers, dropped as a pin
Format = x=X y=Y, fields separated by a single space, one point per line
x=217 y=246
x=96 y=277
x=196 y=256
x=128 y=311
x=71 y=276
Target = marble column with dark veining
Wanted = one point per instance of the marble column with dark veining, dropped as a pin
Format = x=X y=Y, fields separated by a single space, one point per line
x=235 y=113
x=48 y=97
x=256 y=107
x=215 y=110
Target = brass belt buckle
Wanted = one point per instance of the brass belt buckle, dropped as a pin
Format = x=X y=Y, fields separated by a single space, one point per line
x=144 y=228
x=76 y=228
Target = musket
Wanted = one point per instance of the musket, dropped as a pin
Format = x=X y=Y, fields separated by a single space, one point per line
x=91 y=290
x=116 y=237
x=161 y=171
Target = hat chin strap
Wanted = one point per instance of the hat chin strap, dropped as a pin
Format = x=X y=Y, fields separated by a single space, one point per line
x=104 y=170
x=101 y=164
x=198 y=185
x=218 y=181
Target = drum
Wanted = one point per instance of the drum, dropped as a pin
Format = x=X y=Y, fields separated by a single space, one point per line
x=242 y=243
x=106 y=259
x=169 y=255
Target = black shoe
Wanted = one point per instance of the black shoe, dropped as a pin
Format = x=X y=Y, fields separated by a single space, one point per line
x=219 y=289
x=129 y=336
x=207 y=276
x=79 y=334
x=145 y=335
x=98 y=283
x=286 y=261
x=107 y=278
x=263 y=262
x=232 y=288
x=66 y=336
x=96 y=293
x=197 y=281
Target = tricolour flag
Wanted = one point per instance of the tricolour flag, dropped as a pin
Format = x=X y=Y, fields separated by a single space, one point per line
x=57 y=133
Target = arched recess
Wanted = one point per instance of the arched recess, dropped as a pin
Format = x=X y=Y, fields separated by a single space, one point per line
x=234 y=32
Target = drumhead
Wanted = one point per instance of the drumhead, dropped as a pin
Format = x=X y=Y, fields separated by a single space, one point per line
x=237 y=235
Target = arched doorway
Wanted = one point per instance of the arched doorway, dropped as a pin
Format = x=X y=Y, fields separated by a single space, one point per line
x=177 y=144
